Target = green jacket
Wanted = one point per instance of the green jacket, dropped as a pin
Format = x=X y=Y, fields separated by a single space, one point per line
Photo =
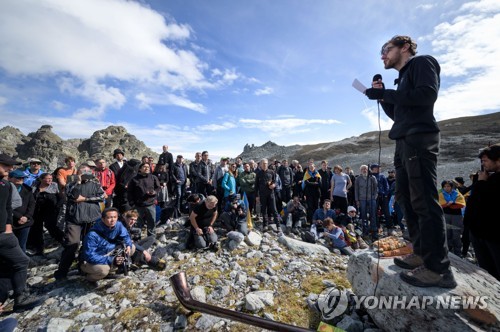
x=246 y=182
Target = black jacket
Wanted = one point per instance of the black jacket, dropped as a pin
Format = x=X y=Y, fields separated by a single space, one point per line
x=88 y=211
x=286 y=176
x=194 y=170
x=166 y=158
x=411 y=106
x=176 y=172
x=142 y=190
x=5 y=204
x=262 y=181
x=205 y=173
x=26 y=210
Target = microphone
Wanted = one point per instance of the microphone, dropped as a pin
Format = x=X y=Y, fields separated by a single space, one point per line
x=378 y=77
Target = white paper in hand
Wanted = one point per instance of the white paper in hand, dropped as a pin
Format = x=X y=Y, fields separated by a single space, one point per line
x=358 y=86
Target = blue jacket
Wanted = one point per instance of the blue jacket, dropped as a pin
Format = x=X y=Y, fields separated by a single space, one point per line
x=383 y=185
x=320 y=214
x=31 y=178
x=97 y=248
x=337 y=237
x=228 y=184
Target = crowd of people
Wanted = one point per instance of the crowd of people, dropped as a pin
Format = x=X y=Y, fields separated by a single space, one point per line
x=101 y=209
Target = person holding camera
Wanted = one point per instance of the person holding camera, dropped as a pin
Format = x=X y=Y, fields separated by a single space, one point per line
x=234 y=217
x=100 y=244
x=295 y=215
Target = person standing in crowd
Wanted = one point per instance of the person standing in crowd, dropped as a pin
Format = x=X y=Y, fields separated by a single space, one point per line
x=310 y=186
x=350 y=192
x=23 y=215
x=481 y=206
x=383 y=195
x=106 y=178
x=115 y=167
x=246 y=179
x=33 y=171
x=205 y=175
x=141 y=194
x=82 y=211
x=162 y=174
x=179 y=178
x=220 y=170
x=452 y=202
x=417 y=137
x=265 y=183
x=48 y=202
x=298 y=178
x=125 y=175
x=194 y=170
x=325 y=183
x=13 y=261
x=340 y=184
x=64 y=173
x=229 y=182
x=366 y=200
x=286 y=175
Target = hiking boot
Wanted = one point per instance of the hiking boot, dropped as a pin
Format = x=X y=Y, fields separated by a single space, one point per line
x=60 y=276
x=409 y=262
x=362 y=243
x=157 y=263
x=423 y=277
x=214 y=246
x=26 y=302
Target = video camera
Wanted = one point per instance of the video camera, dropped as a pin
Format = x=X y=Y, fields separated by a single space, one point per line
x=121 y=251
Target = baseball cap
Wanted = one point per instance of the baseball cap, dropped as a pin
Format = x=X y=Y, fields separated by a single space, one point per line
x=372 y=166
x=17 y=174
x=35 y=160
x=224 y=158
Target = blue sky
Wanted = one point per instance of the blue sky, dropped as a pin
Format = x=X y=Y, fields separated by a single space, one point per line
x=217 y=74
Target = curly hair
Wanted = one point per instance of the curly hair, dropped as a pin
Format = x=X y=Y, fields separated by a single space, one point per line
x=400 y=41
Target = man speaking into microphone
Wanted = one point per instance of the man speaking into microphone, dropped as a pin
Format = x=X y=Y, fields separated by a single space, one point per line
x=416 y=133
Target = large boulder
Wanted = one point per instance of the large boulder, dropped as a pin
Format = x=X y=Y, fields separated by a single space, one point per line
x=369 y=275
x=302 y=247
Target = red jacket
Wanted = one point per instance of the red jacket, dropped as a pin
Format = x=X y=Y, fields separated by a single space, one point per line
x=106 y=178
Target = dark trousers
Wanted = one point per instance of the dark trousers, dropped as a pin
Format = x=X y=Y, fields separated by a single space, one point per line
x=35 y=237
x=286 y=194
x=147 y=216
x=416 y=192
x=204 y=188
x=13 y=266
x=488 y=255
x=340 y=203
x=73 y=235
x=383 y=204
x=268 y=207
x=22 y=237
x=251 y=201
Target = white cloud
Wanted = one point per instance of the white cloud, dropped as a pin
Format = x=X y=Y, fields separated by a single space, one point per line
x=468 y=53
x=265 y=91
x=278 y=127
x=216 y=127
x=145 y=101
x=57 y=105
x=371 y=113
x=426 y=7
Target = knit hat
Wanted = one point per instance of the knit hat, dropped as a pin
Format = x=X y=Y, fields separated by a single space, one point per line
x=351 y=208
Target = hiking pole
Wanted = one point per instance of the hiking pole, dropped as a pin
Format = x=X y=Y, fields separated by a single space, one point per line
x=181 y=289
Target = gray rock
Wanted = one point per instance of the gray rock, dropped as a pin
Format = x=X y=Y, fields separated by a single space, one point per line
x=93 y=328
x=85 y=316
x=350 y=325
x=263 y=277
x=115 y=288
x=364 y=276
x=59 y=324
x=235 y=236
x=169 y=327
x=268 y=316
x=34 y=280
x=206 y=322
x=233 y=245
x=301 y=247
x=82 y=299
x=220 y=292
x=198 y=293
x=255 y=301
x=253 y=239
x=241 y=279
x=180 y=322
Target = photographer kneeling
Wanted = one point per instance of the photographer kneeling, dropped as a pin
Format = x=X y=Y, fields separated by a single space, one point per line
x=202 y=218
x=100 y=244
x=235 y=217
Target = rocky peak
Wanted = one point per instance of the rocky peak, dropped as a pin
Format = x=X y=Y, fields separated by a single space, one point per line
x=10 y=138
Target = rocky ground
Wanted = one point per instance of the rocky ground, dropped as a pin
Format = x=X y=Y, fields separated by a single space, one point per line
x=267 y=274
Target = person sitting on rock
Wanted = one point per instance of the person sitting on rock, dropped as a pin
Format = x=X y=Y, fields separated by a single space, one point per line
x=316 y=231
x=337 y=236
x=295 y=215
x=351 y=224
x=141 y=255
x=452 y=202
x=234 y=217
x=202 y=219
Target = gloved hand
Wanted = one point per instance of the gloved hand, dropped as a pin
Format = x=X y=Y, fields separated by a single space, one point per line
x=375 y=94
